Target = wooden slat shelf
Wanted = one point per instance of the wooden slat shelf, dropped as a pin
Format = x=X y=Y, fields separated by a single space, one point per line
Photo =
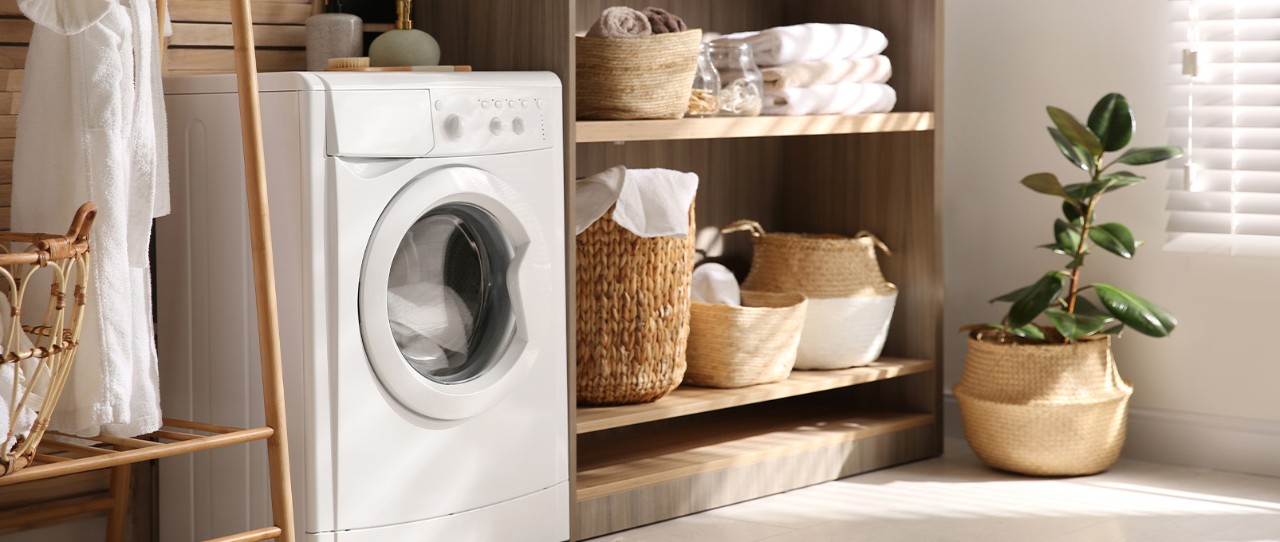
x=688 y=400
x=730 y=127
x=625 y=464
x=125 y=451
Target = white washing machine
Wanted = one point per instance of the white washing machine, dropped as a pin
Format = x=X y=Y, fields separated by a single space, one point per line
x=418 y=224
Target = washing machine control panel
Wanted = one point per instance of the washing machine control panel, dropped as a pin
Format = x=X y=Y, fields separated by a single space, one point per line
x=487 y=121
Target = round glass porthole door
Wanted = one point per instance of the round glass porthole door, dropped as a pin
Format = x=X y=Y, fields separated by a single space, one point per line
x=448 y=302
x=443 y=291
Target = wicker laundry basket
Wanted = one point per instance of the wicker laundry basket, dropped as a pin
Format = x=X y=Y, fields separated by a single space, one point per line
x=1043 y=409
x=733 y=347
x=37 y=359
x=649 y=77
x=850 y=303
x=633 y=313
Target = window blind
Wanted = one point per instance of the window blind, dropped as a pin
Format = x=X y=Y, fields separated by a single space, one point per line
x=1224 y=195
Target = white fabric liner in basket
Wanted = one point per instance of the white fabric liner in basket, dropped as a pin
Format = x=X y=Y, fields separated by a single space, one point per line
x=843 y=332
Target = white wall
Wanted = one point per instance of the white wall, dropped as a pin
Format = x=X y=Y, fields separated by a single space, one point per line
x=1006 y=60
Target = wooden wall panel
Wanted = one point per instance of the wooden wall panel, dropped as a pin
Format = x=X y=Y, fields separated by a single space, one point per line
x=201 y=43
x=720 y=16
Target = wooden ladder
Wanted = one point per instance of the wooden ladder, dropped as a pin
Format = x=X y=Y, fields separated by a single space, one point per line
x=180 y=437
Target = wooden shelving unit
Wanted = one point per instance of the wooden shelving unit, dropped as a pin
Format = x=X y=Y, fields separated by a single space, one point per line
x=711 y=128
x=697 y=449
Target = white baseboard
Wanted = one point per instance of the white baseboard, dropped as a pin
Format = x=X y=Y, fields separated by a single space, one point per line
x=1180 y=438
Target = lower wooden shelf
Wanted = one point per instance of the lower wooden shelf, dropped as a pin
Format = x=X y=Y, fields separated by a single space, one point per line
x=645 y=476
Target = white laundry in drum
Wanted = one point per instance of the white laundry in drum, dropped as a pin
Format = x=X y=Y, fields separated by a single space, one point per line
x=429 y=322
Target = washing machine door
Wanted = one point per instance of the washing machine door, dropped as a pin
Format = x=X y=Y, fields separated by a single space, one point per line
x=440 y=313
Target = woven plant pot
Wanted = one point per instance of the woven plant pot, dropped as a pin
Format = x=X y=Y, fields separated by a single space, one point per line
x=636 y=78
x=850 y=302
x=633 y=313
x=734 y=347
x=1043 y=409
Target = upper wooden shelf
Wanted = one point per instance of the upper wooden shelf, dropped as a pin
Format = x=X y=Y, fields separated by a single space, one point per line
x=592 y=131
x=687 y=400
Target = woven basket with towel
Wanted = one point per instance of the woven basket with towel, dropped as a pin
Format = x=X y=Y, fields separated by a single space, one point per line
x=635 y=242
x=37 y=358
x=632 y=65
x=849 y=301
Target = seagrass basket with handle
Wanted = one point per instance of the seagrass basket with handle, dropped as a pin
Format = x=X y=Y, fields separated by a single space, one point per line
x=849 y=302
x=39 y=351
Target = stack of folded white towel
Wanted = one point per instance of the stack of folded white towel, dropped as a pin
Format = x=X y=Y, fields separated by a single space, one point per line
x=821 y=69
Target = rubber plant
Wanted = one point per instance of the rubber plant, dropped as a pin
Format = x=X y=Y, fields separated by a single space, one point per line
x=1060 y=295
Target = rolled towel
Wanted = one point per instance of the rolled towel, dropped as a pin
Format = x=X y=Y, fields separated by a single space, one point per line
x=844 y=99
x=811 y=41
x=664 y=21
x=872 y=69
x=621 y=22
x=715 y=283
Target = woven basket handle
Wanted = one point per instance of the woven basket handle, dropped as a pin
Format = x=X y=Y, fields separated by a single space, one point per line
x=864 y=234
x=744 y=225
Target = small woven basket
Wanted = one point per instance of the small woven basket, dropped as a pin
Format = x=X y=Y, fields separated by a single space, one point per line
x=649 y=77
x=37 y=359
x=733 y=347
x=1043 y=409
x=633 y=313
x=850 y=303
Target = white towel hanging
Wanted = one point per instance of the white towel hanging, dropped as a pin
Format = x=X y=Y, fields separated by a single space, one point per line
x=92 y=128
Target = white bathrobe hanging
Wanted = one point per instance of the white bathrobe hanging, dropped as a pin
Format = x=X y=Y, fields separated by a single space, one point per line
x=91 y=127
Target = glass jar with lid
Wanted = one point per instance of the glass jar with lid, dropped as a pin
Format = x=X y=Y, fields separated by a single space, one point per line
x=704 y=101
x=741 y=83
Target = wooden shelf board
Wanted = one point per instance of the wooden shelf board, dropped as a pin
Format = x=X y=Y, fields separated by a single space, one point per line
x=729 y=127
x=687 y=400
x=627 y=464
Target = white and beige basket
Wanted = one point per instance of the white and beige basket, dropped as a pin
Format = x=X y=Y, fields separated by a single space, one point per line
x=850 y=303
x=734 y=347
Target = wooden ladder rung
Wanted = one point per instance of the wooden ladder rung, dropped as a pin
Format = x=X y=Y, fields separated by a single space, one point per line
x=266 y=533
x=46 y=513
x=110 y=458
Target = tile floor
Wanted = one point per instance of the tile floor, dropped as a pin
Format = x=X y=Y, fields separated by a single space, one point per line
x=955 y=498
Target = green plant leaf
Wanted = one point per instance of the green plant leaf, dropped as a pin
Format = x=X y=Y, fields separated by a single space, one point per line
x=1074 y=153
x=1066 y=235
x=1029 y=331
x=1036 y=299
x=1149 y=155
x=1112 y=121
x=1143 y=316
x=1044 y=183
x=1115 y=238
x=1083 y=191
x=976 y=327
x=1075 y=326
x=1011 y=296
x=1076 y=132
x=1073 y=214
x=1088 y=308
x=1120 y=179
